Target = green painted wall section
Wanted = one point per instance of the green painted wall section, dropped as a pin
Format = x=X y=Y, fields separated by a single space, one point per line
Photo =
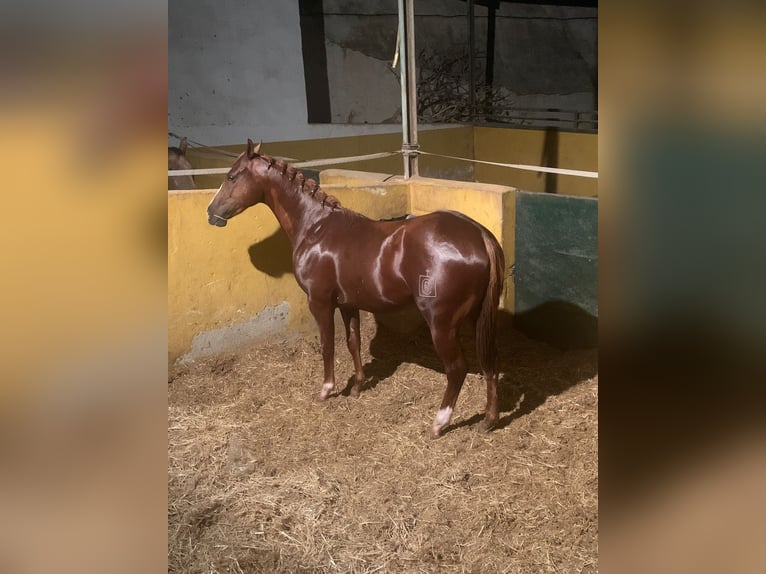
x=556 y=271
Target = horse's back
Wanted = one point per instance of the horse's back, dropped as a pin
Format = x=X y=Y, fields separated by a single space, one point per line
x=447 y=235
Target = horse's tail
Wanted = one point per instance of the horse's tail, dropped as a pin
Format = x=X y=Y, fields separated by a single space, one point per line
x=486 y=323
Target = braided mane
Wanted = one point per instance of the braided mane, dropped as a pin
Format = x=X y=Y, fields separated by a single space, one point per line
x=299 y=181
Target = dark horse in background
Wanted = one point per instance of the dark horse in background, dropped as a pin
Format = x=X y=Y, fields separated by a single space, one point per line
x=450 y=266
x=177 y=160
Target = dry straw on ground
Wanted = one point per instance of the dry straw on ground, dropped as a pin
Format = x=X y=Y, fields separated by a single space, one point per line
x=264 y=478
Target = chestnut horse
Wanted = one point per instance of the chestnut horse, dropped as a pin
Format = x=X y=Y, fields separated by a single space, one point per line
x=177 y=160
x=450 y=266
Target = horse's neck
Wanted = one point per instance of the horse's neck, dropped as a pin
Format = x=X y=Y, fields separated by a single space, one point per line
x=295 y=210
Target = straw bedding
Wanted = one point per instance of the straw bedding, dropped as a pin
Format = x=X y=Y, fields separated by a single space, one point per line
x=265 y=478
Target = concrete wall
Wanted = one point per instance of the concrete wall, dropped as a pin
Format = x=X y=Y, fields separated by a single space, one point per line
x=547 y=56
x=235 y=68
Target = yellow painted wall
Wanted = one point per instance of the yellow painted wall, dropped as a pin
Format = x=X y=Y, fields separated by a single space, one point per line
x=575 y=151
x=212 y=282
x=377 y=200
x=351 y=177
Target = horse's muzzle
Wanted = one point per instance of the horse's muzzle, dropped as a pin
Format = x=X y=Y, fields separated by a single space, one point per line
x=216 y=220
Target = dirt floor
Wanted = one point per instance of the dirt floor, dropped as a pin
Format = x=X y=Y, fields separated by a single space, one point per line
x=265 y=478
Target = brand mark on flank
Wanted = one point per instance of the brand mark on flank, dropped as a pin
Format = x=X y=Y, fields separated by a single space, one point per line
x=427 y=287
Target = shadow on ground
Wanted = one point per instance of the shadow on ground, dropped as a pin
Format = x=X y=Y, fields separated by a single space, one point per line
x=530 y=370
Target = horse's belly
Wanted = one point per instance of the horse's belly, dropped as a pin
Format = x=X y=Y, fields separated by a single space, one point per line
x=374 y=296
x=381 y=306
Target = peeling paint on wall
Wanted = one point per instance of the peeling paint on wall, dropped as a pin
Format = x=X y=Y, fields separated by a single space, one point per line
x=232 y=337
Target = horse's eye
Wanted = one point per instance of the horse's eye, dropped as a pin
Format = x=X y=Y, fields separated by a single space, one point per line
x=230 y=177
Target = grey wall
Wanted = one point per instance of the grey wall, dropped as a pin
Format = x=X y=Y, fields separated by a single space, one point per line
x=235 y=67
x=235 y=70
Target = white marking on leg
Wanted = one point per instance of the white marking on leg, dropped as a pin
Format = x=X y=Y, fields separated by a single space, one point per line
x=326 y=388
x=442 y=419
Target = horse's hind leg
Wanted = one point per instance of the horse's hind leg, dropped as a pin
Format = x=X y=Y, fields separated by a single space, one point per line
x=486 y=349
x=354 y=341
x=446 y=343
x=493 y=411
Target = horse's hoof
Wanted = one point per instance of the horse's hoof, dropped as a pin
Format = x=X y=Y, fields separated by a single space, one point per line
x=354 y=392
x=485 y=426
x=435 y=433
x=326 y=390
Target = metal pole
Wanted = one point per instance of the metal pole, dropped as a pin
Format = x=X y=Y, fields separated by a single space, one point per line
x=471 y=52
x=403 y=85
x=490 y=69
x=408 y=87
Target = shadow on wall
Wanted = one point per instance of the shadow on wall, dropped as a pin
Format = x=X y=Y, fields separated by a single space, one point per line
x=530 y=371
x=561 y=324
x=273 y=255
x=550 y=158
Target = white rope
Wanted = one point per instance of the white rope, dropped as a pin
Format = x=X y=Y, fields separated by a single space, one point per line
x=576 y=172
x=310 y=163
x=205 y=171
x=317 y=162
x=349 y=159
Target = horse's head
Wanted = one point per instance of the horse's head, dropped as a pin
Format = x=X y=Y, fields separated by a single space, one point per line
x=177 y=156
x=243 y=187
x=177 y=160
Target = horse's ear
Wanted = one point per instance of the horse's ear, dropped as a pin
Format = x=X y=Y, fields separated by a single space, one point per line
x=258 y=147
x=182 y=146
x=250 y=149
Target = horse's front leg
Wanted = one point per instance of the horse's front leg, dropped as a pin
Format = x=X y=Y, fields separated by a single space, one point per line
x=323 y=314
